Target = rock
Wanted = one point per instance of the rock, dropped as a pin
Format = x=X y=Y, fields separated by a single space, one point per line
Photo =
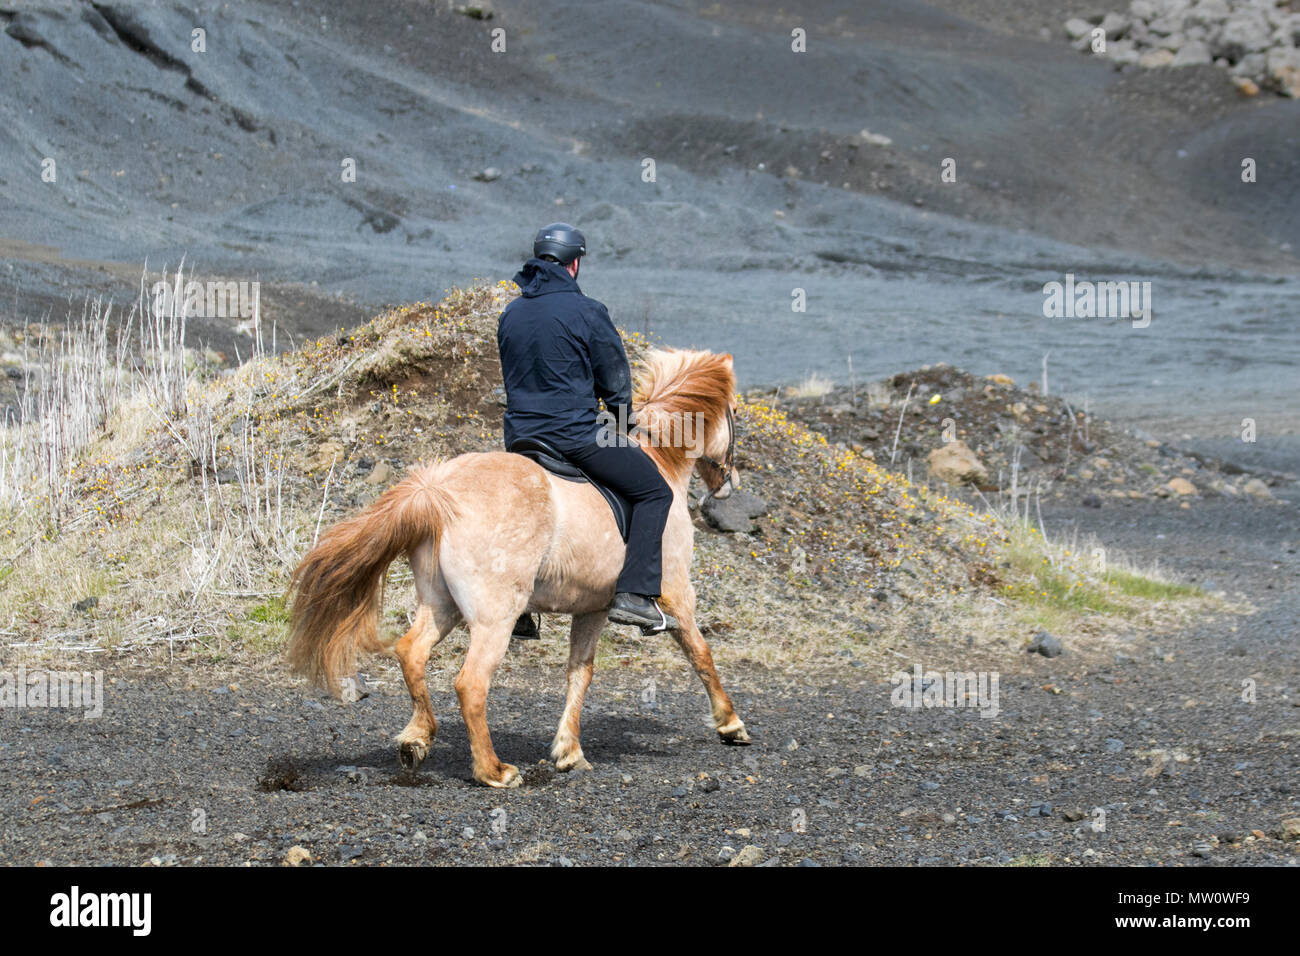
x=733 y=513
x=1244 y=32
x=726 y=854
x=1256 y=489
x=1254 y=65
x=1290 y=829
x=489 y=175
x=1114 y=745
x=1115 y=25
x=1091 y=501
x=749 y=855
x=328 y=453
x=1076 y=29
x=1123 y=52
x=1045 y=644
x=1000 y=379
x=1283 y=67
x=875 y=139
x=1208 y=14
x=955 y=464
x=1193 y=53
x=798 y=560
x=379 y=474
x=297 y=856
x=353 y=689
x=1245 y=86
x=1181 y=486
x=1154 y=59
x=475 y=11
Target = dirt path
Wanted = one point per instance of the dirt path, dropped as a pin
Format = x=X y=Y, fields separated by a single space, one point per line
x=1158 y=738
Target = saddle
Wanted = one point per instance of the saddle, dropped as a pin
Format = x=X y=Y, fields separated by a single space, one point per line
x=550 y=458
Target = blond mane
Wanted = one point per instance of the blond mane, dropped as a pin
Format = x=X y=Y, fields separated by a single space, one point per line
x=679 y=382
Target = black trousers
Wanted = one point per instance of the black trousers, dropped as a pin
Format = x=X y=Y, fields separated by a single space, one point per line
x=630 y=472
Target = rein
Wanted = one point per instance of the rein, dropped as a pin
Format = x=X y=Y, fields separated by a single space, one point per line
x=728 y=464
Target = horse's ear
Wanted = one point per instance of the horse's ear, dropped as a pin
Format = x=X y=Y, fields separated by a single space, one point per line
x=728 y=359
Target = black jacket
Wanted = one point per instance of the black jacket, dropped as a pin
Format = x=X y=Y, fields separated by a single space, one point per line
x=559 y=353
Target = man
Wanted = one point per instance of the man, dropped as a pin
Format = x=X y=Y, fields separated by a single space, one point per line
x=560 y=353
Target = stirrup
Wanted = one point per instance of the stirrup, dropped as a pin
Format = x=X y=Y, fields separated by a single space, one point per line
x=669 y=624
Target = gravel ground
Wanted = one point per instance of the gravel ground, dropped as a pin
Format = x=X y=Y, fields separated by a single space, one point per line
x=180 y=771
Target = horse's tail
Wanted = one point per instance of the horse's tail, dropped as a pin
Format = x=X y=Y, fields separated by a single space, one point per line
x=338 y=586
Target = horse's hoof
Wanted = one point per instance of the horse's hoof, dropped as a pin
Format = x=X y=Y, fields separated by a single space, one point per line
x=734 y=736
x=411 y=754
x=510 y=778
x=567 y=763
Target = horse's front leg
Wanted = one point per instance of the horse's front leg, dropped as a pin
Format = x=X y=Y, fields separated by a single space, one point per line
x=731 y=729
x=584 y=635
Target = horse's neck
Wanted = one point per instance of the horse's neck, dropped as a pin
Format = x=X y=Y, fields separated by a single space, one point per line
x=677 y=476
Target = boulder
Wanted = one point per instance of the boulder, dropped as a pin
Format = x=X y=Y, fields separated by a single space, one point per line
x=1181 y=486
x=1045 y=644
x=1246 y=31
x=955 y=464
x=749 y=855
x=1257 y=489
x=1283 y=65
x=1192 y=53
x=1208 y=14
x=733 y=513
x=1077 y=29
x=1156 y=58
x=1115 y=25
x=328 y=453
x=297 y=856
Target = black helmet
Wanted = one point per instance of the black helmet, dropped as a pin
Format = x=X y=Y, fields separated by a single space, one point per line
x=560 y=240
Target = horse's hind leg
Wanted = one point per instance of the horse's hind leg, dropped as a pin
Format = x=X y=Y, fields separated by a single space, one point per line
x=731 y=729
x=432 y=623
x=566 y=751
x=488 y=643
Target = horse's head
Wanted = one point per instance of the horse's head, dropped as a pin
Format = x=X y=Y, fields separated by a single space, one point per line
x=716 y=466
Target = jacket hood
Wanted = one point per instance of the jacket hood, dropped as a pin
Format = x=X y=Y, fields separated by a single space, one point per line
x=540 y=276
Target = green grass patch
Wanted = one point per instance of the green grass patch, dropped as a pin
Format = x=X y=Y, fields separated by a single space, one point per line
x=270 y=612
x=1149 y=588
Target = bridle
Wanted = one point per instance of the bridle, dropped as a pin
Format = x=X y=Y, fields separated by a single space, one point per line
x=728 y=465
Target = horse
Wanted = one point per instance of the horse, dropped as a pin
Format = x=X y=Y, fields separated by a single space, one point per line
x=490 y=535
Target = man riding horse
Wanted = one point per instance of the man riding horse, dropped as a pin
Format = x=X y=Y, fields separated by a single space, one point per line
x=490 y=535
x=560 y=353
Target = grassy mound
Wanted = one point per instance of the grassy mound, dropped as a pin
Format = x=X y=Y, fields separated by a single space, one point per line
x=172 y=526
